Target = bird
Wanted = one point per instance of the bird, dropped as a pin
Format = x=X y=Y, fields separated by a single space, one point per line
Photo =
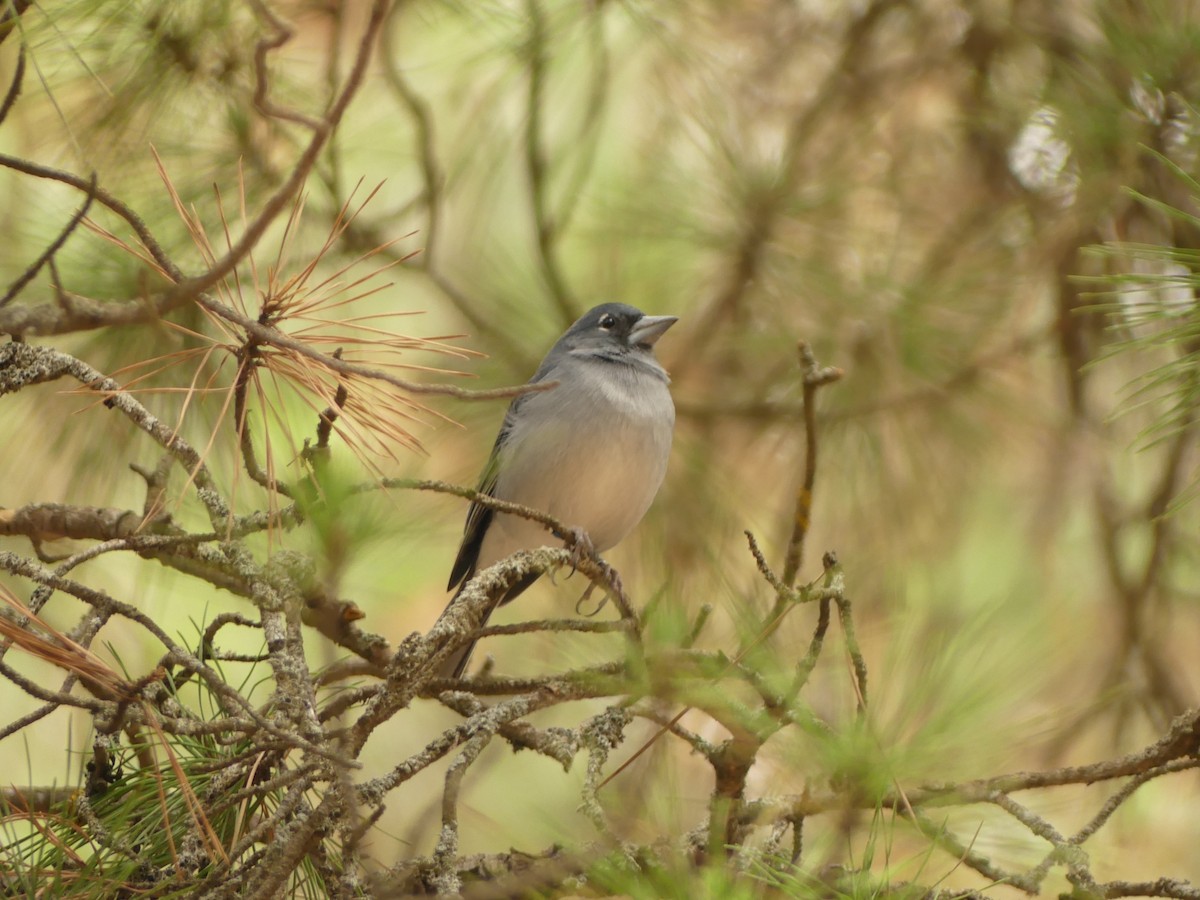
x=592 y=451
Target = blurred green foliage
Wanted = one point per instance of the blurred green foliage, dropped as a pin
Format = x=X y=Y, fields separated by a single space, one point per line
x=908 y=185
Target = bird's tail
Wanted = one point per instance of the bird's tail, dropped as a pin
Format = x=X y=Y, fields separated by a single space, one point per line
x=456 y=663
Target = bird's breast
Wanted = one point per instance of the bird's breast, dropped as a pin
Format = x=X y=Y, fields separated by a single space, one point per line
x=592 y=453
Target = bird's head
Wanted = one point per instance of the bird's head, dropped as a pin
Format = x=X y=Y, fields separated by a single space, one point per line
x=615 y=330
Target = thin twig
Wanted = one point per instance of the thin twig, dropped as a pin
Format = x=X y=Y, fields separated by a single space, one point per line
x=814 y=377
x=55 y=245
x=536 y=168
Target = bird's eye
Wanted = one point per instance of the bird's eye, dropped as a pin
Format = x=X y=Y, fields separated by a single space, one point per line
x=607 y=321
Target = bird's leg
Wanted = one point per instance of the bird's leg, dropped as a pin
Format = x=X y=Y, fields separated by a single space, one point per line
x=581 y=548
x=580 y=545
x=577 y=541
x=612 y=577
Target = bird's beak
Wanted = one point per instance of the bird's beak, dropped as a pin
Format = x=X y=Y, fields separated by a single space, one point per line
x=649 y=329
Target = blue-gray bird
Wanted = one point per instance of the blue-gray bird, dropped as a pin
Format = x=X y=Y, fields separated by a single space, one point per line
x=592 y=452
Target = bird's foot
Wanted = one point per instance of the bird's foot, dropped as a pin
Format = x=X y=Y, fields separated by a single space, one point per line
x=613 y=577
x=581 y=547
x=581 y=603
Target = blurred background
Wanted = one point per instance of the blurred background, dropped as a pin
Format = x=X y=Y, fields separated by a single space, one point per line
x=981 y=211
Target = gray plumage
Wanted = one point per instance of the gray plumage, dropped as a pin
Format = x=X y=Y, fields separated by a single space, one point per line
x=591 y=452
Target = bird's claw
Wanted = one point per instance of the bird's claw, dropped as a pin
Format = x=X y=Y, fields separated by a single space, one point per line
x=587 y=595
x=581 y=547
x=613 y=578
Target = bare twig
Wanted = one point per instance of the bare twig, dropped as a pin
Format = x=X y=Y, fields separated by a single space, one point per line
x=815 y=377
x=247 y=360
x=536 y=168
x=55 y=245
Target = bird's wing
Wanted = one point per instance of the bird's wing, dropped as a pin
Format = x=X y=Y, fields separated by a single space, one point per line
x=479 y=517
